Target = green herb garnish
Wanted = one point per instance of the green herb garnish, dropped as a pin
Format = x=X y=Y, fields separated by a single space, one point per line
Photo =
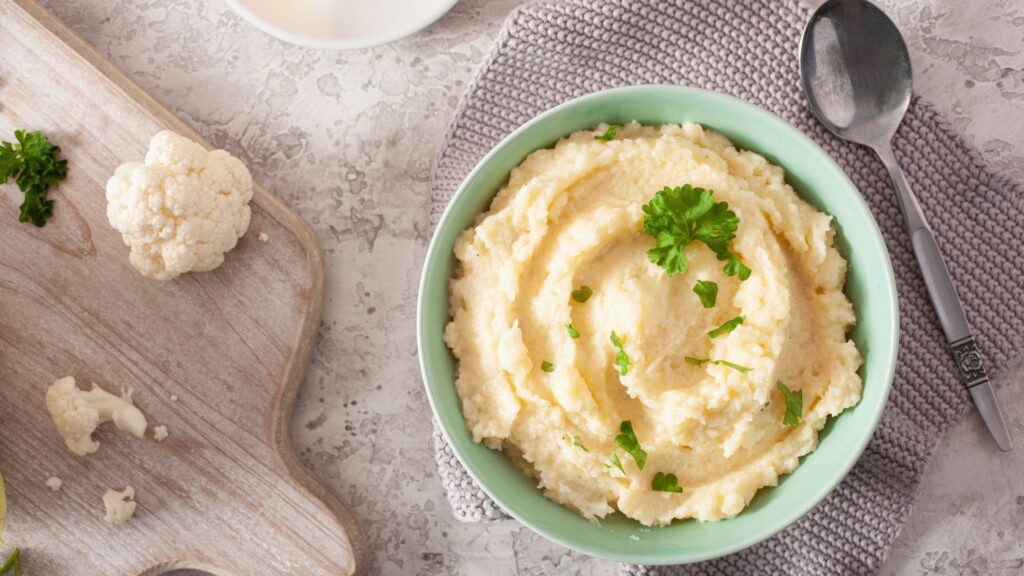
x=727 y=327
x=32 y=162
x=666 y=483
x=547 y=366
x=608 y=135
x=583 y=294
x=579 y=443
x=707 y=291
x=628 y=442
x=621 y=358
x=702 y=361
x=736 y=367
x=678 y=216
x=573 y=332
x=13 y=563
x=794 y=405
x=614 y=459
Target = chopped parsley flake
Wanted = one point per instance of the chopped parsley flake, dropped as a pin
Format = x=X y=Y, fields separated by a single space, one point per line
x=621 y=358
x=727 y=327
x=614 y=459
x=582 y=294
x=794 y=405
x=666 y=483
x=707 y=291
x=573 y=332
x=608 y=135
x=702 y=361
x=579 y=443
x=628 y=442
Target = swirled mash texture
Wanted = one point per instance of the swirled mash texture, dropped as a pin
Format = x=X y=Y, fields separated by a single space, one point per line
x=571 y=216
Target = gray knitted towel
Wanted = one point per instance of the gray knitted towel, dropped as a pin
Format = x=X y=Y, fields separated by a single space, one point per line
x=552 y=52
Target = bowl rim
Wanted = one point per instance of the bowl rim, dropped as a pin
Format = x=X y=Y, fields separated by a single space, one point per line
x=241 y=8
x=431 y=261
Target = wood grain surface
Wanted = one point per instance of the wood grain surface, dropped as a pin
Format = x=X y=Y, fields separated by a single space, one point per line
x=225 y=492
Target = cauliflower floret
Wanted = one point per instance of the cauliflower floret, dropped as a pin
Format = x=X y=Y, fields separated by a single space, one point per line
x=54 y=483
x=120 y=506
x=77 y=414
x=182 y=209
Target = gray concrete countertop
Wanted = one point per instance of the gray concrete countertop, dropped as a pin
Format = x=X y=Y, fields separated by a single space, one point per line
x=347 y=140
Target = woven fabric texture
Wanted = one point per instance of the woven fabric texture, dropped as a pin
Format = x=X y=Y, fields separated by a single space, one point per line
x=552 y=52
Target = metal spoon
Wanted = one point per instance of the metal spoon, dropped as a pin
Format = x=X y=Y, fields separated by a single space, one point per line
x=856 y=74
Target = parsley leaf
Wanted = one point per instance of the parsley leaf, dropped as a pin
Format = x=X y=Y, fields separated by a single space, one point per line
x=794 y=405
x=583 y=294
x=13 y=562
x=727 y=327
x=675 y=217
x=579 y=443
x=707 y=291
x=628 y=442
x=573 y=332
x=615 y=460
x=608 y=135
x=702 y=361
x=32 y=163
x=733 y=267
x=666 y=483
x=547 y=366
x=621 y=358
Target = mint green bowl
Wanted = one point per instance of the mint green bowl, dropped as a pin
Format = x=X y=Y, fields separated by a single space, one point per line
x=870 y=286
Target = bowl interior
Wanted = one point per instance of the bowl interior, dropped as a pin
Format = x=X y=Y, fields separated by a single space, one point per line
x=870 y=286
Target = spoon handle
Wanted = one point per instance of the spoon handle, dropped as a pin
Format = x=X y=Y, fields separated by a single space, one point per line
x=946 y=302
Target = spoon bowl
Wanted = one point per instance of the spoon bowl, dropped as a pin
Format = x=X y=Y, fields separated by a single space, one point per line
x=856 y=71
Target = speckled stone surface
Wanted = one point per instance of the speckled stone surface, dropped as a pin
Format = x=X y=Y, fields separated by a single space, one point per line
x=347 y=139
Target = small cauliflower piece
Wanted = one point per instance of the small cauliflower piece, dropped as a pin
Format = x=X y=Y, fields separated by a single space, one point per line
x=160 y=433
x=181 y=209
x=77 y=414
x=120 y=506
x=263 y=237
x=54 y=483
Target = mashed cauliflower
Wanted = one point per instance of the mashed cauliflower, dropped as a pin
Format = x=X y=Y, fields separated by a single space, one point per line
x=570 y=217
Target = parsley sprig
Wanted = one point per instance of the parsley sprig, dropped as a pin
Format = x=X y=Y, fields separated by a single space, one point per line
x=675 y=217
x=32 y=162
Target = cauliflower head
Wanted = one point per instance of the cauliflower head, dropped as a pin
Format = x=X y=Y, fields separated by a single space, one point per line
x=181 y=209
x=77 y=414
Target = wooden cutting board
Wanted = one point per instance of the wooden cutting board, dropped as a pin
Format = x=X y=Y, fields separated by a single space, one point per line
x=225 y=492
